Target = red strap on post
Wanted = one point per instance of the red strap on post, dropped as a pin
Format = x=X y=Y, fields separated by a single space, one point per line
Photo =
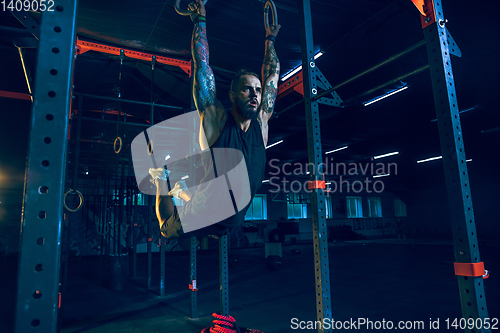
x=192 y=286
x=471 y=269
x=316 y=184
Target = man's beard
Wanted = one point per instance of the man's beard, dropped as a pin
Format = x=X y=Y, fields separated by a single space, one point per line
x=245 y=110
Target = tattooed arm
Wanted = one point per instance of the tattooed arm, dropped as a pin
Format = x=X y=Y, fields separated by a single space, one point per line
x=212 y=113
x=270 y=77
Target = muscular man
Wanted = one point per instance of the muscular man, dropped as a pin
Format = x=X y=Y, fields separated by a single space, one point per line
x=245 y=128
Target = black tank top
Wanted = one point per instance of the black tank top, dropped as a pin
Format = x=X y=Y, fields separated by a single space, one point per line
x=251 y=144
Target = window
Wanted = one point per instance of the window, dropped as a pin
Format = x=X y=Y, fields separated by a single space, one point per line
x=258 y=208
x=138 y=199
x=374 y=207
x=328 y=207
x=297 y=210
x=297 y=206
x=354 y=207
x=399 y=208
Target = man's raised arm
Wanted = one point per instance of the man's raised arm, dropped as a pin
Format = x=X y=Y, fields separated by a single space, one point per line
x=204 y=93
x=270 y=76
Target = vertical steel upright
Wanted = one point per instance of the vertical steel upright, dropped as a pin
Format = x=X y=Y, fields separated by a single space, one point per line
x=320 y=239
x=192 y=277
x=223 y=276
x=151 y=202
x=162 y=266
x=40 y=249
x=133 y=232
x=150 y=206
x=192 y=243
x=466 y=247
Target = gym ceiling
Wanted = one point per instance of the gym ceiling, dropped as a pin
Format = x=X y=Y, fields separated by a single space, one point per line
x=353 y=35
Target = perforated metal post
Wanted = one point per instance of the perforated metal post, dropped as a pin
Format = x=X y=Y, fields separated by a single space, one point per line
x=130 y=218
x=162 y=267
x=466 y=247
x=192 y=247
x=134 y=245
x=192 y=277
x=121 y=209
x=149 y=232
x=223 y=276
x=320 y=239
x=39 y=257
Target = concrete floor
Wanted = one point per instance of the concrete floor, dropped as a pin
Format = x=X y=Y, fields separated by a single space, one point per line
x=377 y=280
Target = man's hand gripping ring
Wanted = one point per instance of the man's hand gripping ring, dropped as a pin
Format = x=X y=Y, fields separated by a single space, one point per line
x=184 y=12
x=269 y=4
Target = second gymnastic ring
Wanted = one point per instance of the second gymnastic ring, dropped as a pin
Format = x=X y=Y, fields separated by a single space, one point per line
x=150 y=147
x=119 y=147
x=270 y=3
x=81 y=200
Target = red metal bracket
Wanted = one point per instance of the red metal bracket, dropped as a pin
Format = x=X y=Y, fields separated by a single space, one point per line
x=426 y=9
x=83 y=46
x=292 y=84
x=471 y=269
x=316 y=184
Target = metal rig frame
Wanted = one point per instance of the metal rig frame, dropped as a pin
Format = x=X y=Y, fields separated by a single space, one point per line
x=43 y=218
x=38 y=297
x=440 y=46
x=319 y=227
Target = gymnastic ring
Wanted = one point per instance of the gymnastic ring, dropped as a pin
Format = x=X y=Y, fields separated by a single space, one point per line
x=184 y=12
x=105 y=227
x=81 y=200
x=270 y=3
x=150 y=147
x=114 y=145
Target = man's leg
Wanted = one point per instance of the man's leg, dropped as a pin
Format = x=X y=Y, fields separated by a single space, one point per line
x=164 y=204
x=168 y=215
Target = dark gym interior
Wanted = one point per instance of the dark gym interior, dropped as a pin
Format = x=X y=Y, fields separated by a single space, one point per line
x=407 y=128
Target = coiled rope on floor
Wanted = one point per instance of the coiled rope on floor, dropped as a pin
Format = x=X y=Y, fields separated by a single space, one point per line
x=227 y=324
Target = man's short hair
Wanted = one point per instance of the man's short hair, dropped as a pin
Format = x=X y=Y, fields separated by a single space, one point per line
x=240 y=73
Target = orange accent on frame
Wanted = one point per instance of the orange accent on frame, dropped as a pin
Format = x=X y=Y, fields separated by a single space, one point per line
x=316 y=184
x=295 y=83
x=420 y=6
x=470 y=269
x=193 y=284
